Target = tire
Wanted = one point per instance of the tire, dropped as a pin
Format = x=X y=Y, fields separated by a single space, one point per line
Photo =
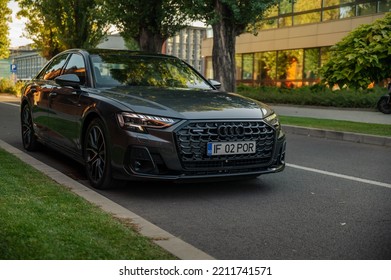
x=97 y=156
x=29 y=139
x=384 y=106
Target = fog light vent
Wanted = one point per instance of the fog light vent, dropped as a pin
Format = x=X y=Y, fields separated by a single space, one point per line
x=141 y=160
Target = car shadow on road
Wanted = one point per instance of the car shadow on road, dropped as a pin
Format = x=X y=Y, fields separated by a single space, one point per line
x=148 y=189
x=185 y=190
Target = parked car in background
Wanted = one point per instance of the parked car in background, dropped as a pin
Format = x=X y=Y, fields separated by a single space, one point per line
x=134 y=116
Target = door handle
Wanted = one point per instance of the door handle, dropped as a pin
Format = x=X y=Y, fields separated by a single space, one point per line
x=52 y=94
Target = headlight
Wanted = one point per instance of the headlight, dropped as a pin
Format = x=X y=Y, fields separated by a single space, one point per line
x=138 y=122
x=273 y=120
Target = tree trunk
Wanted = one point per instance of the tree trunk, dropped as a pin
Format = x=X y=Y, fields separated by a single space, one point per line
x=149 y=41
x=223 y=52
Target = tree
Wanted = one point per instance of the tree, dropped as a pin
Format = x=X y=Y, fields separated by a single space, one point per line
x=229 y=19
x=362 y=57
x=56 y=25
x=4 y=29
x=148 y=22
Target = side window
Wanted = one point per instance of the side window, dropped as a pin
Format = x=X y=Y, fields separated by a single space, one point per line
x=76 y=66
x=53 y=69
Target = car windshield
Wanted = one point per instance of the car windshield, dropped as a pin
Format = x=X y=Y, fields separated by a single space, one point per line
x=126 y=69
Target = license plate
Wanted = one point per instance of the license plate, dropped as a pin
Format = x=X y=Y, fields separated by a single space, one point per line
x=231 y=148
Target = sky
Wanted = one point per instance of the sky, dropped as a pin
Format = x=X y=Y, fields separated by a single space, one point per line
x=16 y=27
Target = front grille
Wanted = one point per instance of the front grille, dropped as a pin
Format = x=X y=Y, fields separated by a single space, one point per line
x=192 y=139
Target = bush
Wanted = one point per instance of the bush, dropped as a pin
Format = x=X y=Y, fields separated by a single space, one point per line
x=316 y=95
x=7 y=86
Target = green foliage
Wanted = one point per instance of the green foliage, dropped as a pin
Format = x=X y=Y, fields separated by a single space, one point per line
x=131 y=44
x=56 y=25
x=362 y=57
x=7 y=86
x=316 y=95
x=149 y=23
x=4 y=29
x=244 y=15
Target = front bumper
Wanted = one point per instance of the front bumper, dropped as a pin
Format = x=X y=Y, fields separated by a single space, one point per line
x=179 y=154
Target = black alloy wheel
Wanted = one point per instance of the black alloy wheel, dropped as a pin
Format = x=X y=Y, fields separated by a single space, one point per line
x=96 y=154
x=29 y=139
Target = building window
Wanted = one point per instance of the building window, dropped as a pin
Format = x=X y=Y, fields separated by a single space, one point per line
x=286 y=6
x=248 y=66
x=325 y=55
x=296 y=12
x=305 y=5
x=339 y=13
x=306 y=18
x=364 y=9
x=290 y=68
x=329 y=3
x=238 y=63
x=311 y=65
x=285 y=21
x=384 y=6
x=265 y=68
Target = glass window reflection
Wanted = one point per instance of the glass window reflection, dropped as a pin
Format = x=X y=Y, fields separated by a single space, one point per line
x=111 y=69
x=286 y=6
x=307 y=18
x=305 y=5
x=329 y=3
x=385 y=6
x=366 y=8
x=248 y=66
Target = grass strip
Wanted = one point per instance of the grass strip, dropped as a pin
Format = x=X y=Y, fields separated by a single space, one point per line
x=347 y=126
x=40 y=219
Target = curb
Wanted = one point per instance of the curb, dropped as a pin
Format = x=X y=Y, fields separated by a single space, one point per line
x=338 y=135
x=162 y=238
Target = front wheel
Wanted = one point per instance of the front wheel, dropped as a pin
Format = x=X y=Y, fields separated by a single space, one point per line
x=384 y=105
x=29 y=139
x=97 y=156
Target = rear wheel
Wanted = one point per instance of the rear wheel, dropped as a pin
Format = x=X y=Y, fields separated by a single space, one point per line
x=384 y=105
x=97 y=156
x=29 y=138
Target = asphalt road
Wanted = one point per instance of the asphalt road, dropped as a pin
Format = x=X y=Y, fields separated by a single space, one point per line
x=340 y=208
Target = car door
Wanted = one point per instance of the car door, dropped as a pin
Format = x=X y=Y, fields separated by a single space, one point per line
x=40 y=90
x=66 y=106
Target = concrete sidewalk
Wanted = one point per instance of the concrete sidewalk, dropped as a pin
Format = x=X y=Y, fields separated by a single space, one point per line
x=354 y=115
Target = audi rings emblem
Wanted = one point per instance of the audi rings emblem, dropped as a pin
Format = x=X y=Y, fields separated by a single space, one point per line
x=230 y=130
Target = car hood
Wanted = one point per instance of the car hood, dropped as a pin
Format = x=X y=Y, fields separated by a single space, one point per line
x=187 y=104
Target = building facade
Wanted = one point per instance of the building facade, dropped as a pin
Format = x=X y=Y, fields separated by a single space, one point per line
x=187 y=46
x=28 y=62
x=294 y=40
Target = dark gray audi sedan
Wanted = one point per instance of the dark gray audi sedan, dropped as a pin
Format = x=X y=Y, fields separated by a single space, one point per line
x=134 y=116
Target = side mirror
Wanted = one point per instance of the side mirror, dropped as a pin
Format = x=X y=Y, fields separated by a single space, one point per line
x=215 y=84
x=68 y=80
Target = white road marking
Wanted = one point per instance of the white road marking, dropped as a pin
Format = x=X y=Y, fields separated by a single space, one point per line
x=12 y=104
x=347 y=177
